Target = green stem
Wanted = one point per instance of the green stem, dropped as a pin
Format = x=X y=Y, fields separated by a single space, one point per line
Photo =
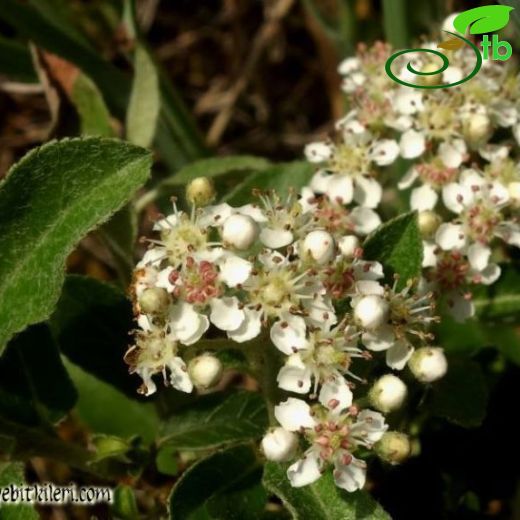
x=395 y=23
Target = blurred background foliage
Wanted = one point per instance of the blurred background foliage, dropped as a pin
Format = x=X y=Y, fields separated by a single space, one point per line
x=229 y=77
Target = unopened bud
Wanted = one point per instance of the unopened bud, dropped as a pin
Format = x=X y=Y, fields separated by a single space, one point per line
x=393 y=447
x=428 y=364
x=477 y=128
x=348 y=245
x=205 y=371
x=200 y=191
x=433 y=79
x=240 y=231
x=279 y=444
x=514 y=192
x=154 y=300
x=319 y=245
x=428 y=222
x=371 y=311
x=388 y=393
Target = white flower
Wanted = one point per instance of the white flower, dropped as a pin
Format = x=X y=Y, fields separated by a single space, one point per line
x=388 y=393
x=279 y=444
x=334 y=435
x=428 y=364
x=318 y=152
x=412 y=144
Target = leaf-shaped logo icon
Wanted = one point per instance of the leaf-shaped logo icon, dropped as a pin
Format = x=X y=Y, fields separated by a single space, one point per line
x=488 y=18
x=451 y=44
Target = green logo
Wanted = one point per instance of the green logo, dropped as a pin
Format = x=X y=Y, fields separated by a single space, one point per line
x=480 y=20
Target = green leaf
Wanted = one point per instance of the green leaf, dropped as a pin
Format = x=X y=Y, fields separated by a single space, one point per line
x=15 y=61
x=322 y=500
x=106 y=410
x=13 y=473
x=461 y=396
x=395 y=21
x=224 y=485
x=125 y=503
x=145 y=102
x=398 y=246
x=48 y=202
x=34 y=386
x=501 y=300
x=485 y=19
x=215 y=420
x=281 y=177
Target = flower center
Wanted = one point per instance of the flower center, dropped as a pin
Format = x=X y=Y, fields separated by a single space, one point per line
x=186 y=236
x=436 y=173
x=481 y=219
x=451 y=270
x=199 y=281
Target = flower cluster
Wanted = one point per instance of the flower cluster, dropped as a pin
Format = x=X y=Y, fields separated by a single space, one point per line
x=460 y=145
x=290 y=271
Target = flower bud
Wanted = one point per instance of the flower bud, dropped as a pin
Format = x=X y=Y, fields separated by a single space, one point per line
x=200 y=191
x=279 y=444
x=434 y=79
x=371 y=311
x=205 y=371
x=514 y=192
x=240 y=231
x=319 y=245
x=428 y=364
x=477 y=127
x=393 y=447
x=388 y=393
x=154 y=300
x=428 y=222
x=348 y=245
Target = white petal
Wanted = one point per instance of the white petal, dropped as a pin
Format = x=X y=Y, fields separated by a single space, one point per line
x=384 y=152
x=272 y=259
x=408 y=179
x=294 y=414
x=320 y=181
x=168 y=222
x=276 y=238
x=214 y=215
x=253 y=211
x=429 y=256
x=348 y=65
x=153 y=256
x=494 y=152
x=318 y=152
x=350 y=477
x=288 y=334
x=294 y=376
x=452 y=153
x=505 y=113
x=423 y=198
x=510 y=232
x=367 y=192
x=373 y=424
x=226 y=314
x=340 y=188
x=456 y=197
x=179 y=377
x=478 y=256
x=186 y=324
x=452 y=75
x=320 y=312
x=235 y=270
x=380 y=339
x=398 y=355
x=408 y=101
x=163 y=279
x=460 y=308
x=490 y=274
x=498 y=193
x=364 y=220
x=450 y=236
x=305 y=471
x=412 y=144
x=336 y=395
x=369 y=270
x=250 y=327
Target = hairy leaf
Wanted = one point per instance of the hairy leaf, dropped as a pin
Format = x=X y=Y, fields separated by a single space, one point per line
x=216 y=420
x=223 y=485
x=322 y=500
x=398 y=246
x=48 y=202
